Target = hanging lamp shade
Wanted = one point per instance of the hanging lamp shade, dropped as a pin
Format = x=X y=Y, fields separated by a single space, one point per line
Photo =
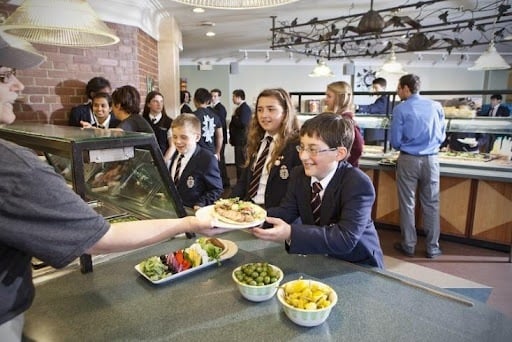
x=490 y=60
x=392 y=66
x=59 y=22
x=321 y=70
x=235 y=4
x=18 y=53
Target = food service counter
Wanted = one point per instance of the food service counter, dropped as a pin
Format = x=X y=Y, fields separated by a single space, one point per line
x=475 y=201
x=116 y=303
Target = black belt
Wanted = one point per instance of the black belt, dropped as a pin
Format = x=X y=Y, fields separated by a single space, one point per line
x=418 y=155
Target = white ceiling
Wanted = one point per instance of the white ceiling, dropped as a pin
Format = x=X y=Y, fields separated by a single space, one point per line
x=238 y=31
x=249 y=30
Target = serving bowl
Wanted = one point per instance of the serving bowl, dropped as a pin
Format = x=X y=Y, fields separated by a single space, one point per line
x=258 y=293
x=307 y=317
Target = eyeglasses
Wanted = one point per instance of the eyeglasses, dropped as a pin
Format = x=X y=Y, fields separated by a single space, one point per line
x=6 y=76
x=313 y=152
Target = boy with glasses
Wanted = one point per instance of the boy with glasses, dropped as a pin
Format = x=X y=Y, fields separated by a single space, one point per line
x=332 y=199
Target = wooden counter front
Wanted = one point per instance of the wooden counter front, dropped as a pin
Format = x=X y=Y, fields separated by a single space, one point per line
x=472 y=204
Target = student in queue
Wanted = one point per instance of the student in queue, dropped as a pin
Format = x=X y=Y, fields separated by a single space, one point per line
x=84 y=113
x=338 y=99
x=272 y=137
x=60 y=226
x=155 y=114
x=101 y=108
x=126 y=107
x=332 y=199
x=194 y=169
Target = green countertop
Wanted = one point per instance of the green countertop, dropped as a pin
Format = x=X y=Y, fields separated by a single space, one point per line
x=115 y=303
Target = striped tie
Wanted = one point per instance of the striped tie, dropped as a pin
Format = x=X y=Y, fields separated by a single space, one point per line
x=258 y=169
x=316 y=201
x=178 y=168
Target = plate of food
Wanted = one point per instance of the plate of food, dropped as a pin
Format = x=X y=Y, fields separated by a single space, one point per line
x=233 y=213
x=204 y=252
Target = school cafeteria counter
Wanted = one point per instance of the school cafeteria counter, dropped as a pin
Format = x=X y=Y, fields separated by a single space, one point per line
x=115 y=303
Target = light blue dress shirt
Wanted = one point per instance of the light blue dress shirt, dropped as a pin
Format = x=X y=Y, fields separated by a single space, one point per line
x=418 y=126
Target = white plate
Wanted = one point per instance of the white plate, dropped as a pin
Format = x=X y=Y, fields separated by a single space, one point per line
x=468 y=141
x=229 y=252
x=207 y=213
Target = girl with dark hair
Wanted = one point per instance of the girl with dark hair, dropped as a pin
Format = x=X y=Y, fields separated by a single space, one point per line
x=155 y=115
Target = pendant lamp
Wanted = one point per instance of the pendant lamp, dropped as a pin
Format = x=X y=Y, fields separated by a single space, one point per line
x=321 y=70
x=235 y=4
x=392 y=66
x=490 y=60
x=59 y=22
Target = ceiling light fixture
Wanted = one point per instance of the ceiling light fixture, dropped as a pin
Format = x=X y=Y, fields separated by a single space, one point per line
x=412 y=26
x=75 y=24
x=490 y=60
x=321 y=70
x=210 y=34
x=198 y=10
x=391 y=65
x=235 y=4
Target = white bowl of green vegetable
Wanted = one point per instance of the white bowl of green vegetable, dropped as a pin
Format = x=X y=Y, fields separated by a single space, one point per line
x=257 y=282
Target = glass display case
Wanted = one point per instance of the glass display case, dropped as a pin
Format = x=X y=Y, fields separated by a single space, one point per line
x=122 y=175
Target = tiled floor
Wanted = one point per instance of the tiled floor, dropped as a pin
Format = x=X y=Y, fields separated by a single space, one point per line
x=480 y=265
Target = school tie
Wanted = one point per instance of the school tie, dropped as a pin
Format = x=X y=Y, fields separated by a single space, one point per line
x=258 y=169
x=178 y=168
x=316 y=201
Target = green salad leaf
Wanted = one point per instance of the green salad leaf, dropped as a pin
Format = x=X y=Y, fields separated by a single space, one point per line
x=154 y=268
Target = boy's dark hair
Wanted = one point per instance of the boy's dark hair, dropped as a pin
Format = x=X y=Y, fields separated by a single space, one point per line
x=239 y=93
x=128 y=97
x=216 y=90
x=497 y=97
x=186 y=118
x=202 y=96
x=333 y=129
x=105 y=96
x=380 y=81
x=182 y=95
x=411 y=81
x=96 y=84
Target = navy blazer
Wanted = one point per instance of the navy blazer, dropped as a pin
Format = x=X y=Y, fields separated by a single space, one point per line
x=200 y=182
x=161 y=129
x=378 y=107
x=278 y=176
x=239 y=125
x=83 y=112
x=502 y=111
x=346 y=228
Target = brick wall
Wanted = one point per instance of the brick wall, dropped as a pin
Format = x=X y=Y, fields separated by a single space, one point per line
x=58 y=84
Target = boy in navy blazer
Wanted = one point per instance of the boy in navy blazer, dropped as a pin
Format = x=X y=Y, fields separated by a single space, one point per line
x=344 y=228
x=196 y=175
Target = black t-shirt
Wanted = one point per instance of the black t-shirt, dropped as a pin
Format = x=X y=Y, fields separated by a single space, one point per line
x=135 y=123
x=209 y=123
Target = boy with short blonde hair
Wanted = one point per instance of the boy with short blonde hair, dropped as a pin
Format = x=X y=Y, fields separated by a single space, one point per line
x=194 y=170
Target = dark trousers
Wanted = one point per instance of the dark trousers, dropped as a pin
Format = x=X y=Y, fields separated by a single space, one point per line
x=222 y=167
x=240 y=155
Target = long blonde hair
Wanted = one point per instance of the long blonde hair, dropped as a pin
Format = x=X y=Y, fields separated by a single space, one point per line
x=288 y=130
x=343 y=97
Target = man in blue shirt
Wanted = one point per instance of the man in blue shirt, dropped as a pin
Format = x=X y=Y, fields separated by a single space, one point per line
x=417 y=131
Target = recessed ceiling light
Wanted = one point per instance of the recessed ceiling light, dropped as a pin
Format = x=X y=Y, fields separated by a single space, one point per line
x=210 y=33
x=198 y=10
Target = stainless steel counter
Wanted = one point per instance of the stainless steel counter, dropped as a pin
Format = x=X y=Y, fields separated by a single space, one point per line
x=115 y=303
